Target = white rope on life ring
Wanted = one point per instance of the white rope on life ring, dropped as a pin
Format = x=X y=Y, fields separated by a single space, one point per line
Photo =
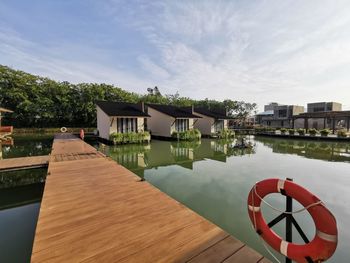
x=63 y=129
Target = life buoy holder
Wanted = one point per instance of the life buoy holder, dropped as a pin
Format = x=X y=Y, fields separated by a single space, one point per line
x=325 y=240
x=63 y=129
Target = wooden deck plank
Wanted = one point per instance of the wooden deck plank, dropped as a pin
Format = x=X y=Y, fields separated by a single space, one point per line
x=93 y=209
x=245 y=254
x=220 y=251
x=24 y=163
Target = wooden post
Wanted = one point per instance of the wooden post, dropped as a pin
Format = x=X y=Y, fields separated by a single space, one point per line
x=289 y=225
x=306 y=124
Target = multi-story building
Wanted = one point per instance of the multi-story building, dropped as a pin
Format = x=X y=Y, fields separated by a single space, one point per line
x=271 y=106
x=323 y=107
x=324 y=115
x=278 y=116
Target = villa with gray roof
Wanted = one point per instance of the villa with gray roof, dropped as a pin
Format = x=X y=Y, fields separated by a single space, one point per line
x=166 y=119
x=211 y=122
x=120 y=117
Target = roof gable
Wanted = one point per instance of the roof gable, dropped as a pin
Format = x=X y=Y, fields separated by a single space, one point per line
x=211 y=113
x=112 y=108
x=173 y=111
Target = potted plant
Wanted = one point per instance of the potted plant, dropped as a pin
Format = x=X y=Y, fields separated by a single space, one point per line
x=291 y=131
x=313 y=132
x=342 y=133
x=301 y=131
x=325 y=132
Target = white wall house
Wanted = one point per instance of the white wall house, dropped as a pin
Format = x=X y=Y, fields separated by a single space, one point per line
x=211 y=122
x=119 y=117
x=166 y=119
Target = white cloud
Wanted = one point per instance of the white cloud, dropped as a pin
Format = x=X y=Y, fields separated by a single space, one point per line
x=259 y=51
x=49 y=62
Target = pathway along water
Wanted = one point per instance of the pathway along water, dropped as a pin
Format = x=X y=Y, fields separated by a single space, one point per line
x=92 y=211
x=214 y=180
x=210 y=178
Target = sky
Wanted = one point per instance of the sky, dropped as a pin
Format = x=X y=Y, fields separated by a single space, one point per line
x=291 y=52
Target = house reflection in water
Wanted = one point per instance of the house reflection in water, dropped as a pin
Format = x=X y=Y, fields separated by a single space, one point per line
x=328 y=151
x=139 y=158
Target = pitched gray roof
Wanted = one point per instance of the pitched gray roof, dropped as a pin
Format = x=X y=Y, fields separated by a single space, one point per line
x=173 y=111
x=212 y=113
x=112 y=108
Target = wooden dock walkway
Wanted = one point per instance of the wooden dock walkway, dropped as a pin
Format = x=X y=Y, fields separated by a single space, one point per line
x=22 y=163
x=95 y=210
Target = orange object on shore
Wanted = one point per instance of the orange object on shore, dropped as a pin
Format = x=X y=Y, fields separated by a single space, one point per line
x=82 y=134
x=6 y=129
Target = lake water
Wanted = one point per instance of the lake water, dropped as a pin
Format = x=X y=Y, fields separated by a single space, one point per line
x=20 y=197
x=214 y=180
x=209 y=177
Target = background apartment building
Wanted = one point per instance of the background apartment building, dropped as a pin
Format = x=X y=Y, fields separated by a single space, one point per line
x=278 y=116
x=323 y=107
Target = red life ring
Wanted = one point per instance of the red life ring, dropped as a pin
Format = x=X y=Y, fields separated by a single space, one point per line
x=325 y=241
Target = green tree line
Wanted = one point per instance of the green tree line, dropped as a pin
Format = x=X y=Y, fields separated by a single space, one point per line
x=41 y=102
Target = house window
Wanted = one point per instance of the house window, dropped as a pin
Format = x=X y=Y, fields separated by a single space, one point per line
x=318 y=109
x=127 y=125
x=282 y=113
x=181 y=125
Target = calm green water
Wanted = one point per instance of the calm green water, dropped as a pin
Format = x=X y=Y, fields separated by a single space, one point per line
x=214 y=179
x=210 y=177
x=20 y=197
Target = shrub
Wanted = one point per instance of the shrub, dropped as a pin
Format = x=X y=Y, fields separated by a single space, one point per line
x=283 y=130
x=130 y=137
x=342 y=133
x=291 y=131
x=189 y=135
x=313 y=132
x=301 y=131
x=325 y=132
x=226 y=134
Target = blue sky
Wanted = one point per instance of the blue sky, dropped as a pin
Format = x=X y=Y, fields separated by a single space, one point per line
x=291 y=52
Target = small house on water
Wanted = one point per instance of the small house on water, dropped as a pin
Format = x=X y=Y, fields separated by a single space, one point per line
x=120 y=117
x=166 y=119
x=211 y=122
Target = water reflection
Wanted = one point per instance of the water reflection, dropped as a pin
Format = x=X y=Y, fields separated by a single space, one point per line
x=22 y=146
x=141 y=157
x=213 y=179
x=19 y=210
x=328 y=151
x=26 y=145
x=20 y=196
x=22 y=177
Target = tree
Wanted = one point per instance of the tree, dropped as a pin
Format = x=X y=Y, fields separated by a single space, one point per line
x=42 y=102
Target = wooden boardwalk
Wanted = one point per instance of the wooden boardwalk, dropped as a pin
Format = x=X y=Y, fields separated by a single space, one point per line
x=22 y=163
x=94 y=210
